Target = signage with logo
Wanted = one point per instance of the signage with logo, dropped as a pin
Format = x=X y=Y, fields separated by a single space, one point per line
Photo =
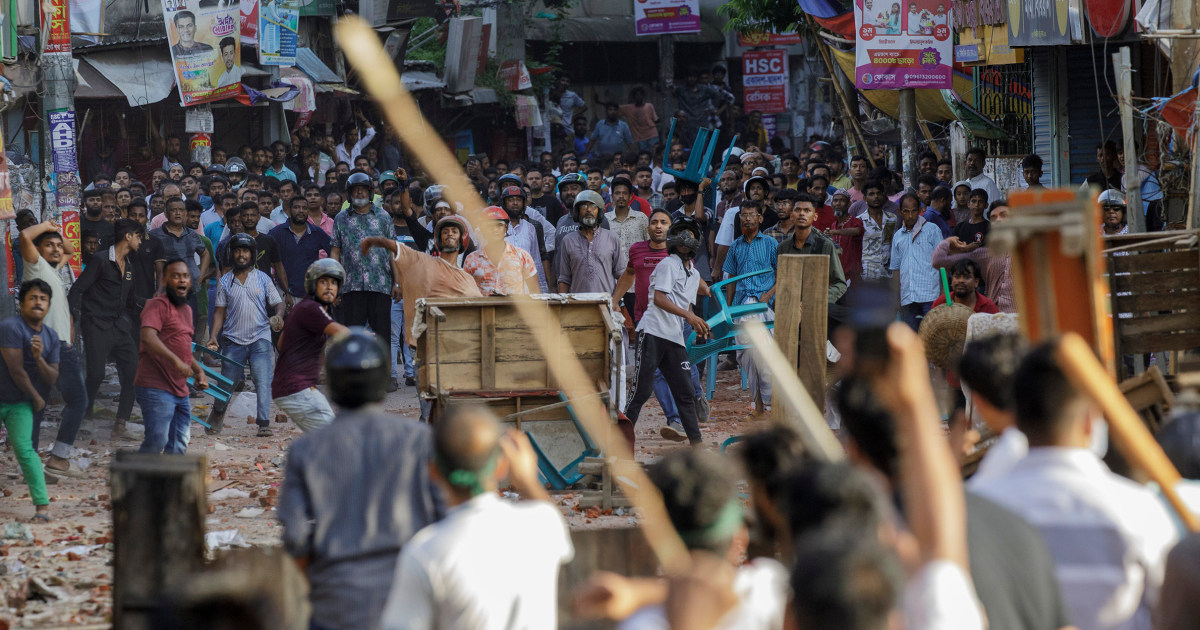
x=62 y=140
x=762 y=38
x=666 y=17
x=55 y=13
x=902 y=48
x=765 y=81
x=278 y=32
x=1038 y=22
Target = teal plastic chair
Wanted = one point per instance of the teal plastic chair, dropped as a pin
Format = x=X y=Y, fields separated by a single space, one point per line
x=723 y=331
x=219 y=388
x=569 y=475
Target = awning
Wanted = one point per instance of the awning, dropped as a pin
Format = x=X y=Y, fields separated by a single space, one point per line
x=92 y=84
x=311 y=64
x=610 y=29
x=415 y=81
x=144 y=78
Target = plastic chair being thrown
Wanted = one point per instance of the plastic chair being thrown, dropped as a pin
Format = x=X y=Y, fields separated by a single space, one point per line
x=699 y=164
x=723 y=330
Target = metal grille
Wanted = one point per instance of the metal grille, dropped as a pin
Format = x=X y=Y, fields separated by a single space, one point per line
x=1004 y=94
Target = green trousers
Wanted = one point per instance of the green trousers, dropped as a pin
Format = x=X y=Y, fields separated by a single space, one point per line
x=18 y=417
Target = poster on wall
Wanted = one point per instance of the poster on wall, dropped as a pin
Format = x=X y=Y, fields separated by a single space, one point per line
x=318 y=7
x=1038 y=23
x=278 y=32
x=765 y=81
x=902 y=44
x=206 y=49
x=666 y=17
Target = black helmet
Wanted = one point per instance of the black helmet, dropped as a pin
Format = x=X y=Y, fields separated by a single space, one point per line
x=358 y=179
x=241 y=240
x=683 y=238
x=358 y=369
x=323 y=268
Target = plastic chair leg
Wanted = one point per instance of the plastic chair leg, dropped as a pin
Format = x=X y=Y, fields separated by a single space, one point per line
x=745 y=377
x=710 y=376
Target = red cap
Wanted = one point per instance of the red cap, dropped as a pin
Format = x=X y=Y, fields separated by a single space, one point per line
x=512 y=191
x=495 y=213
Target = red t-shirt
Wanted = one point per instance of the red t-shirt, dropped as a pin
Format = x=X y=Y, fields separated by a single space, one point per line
x=982 y=303
x=826 y=218
x=174 y=326
x=643 y=259
x=303 y=338
x=851 y=254
x=641 y=204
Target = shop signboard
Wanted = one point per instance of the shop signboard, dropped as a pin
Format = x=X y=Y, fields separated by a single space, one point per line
x=765 y=81
x=666 y=17
x=278 y=32
x=206 y=49
x=1038 y=22
x=317 y=7
x=897 y=50
x=55 y=13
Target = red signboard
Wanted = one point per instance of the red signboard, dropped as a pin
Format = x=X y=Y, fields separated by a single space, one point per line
x=54 y=13
x=750 y=40
x=1107 y=17
x=765 y=79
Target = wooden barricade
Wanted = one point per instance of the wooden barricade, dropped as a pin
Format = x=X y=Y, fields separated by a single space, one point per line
x=801 y=320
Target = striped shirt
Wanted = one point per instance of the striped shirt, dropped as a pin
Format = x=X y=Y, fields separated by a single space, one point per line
x=756 y=255
x=912 y=255
x=246 y=318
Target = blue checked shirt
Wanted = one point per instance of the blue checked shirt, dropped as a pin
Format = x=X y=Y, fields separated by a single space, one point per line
x=745 y=257
x=912 y=254
x=246 y=318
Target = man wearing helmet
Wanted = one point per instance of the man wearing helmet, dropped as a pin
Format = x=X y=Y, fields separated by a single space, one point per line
x=356 y=491
x=569 y=187
x=523 y=231
x=242 y=330
x=1112 y=204
x=371 y=283
x=308 y=326
x=661 y=345
x=591 y=258
x=516 y=273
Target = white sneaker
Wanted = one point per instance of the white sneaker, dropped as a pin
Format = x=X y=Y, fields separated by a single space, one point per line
x=832 y=353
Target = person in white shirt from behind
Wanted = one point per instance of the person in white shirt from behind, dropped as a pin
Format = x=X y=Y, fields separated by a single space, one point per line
x=489 y=563
x=986 y=369
x=1108 y=535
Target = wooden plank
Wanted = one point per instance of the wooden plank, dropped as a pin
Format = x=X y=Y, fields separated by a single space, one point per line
x=802 y=295
x=1165 y=301
x=1158 y=342
x=515 y=344
x=1156 y=261
x=1160 y=281
x=572 y=315
x=1176 y=322
x=487 y=347
x=510 y=375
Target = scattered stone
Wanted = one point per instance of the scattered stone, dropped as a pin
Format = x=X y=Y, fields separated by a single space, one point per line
x=279 y=461
x=17 y=531
x=250 y=512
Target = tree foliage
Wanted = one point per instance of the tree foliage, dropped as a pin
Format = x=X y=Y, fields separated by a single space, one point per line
x=748 y=16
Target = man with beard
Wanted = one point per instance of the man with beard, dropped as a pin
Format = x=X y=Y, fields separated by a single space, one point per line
x=569 y=187
x=30 y=350
x=591 y=258
x=92 y=221
x=913 y=245
x=524 y=232
x=180 y=241
x=165 y=362
x=545 y=203
x=100 y=301
x=299 y=244
x=305 y=332
x=267 y=258
x=643 y=178
x=47 y=258
x=965 y=277
x=242 y=328
x=756 y=188
x=424 y=275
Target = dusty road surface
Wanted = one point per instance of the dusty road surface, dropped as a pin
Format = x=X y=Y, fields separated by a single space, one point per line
x=59 y=574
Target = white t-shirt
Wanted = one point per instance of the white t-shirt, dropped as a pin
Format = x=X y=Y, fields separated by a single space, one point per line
x=680 y=285
x=1010 y=448
x=489 y=564
x=58 y=316
x=940 y=597
x=762 y=589
x=729 y=223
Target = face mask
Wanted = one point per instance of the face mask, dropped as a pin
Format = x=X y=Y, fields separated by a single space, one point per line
x=359 y=203
x=689 y=199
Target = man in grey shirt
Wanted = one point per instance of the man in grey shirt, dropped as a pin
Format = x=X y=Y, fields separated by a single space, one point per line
x=356 y=490
x=590 y=259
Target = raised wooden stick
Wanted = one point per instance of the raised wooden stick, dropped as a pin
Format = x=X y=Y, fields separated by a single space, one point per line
x=819 y=441
x=378 y=74
x=1083 y=370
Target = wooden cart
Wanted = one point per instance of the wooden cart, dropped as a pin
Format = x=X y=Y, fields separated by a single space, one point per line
x=479 y=351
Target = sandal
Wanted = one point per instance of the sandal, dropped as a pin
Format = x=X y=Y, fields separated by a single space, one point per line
x=40 y=516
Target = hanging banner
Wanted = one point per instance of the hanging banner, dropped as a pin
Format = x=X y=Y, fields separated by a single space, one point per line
x=62 y=140
x=317 y=7
x=666 y=17
x=278 y=32
x=249 y=20
x=205 y=49
x=765 y=81
x=896 y=51
x=54 y=13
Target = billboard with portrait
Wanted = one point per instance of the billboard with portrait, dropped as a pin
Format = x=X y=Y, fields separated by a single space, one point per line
x=206 y=49
x=903 y=44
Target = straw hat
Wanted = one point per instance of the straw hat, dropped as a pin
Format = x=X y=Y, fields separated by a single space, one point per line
x=944 y=331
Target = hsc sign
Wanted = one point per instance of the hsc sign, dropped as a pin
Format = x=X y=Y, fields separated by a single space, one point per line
x=765 y=79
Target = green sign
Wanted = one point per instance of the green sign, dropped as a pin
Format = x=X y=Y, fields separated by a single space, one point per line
x=317 y=7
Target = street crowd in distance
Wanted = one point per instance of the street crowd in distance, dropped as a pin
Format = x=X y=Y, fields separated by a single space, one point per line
x=308 y=278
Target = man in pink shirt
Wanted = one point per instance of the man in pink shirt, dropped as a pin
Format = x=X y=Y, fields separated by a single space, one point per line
x=643 y=120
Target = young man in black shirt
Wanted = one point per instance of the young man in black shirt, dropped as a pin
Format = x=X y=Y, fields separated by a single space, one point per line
x=972 y=233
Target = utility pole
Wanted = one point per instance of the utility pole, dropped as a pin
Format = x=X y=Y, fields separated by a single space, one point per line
x=1134 y=214
x=58 y=104
x=908 y=135
x=666 y=78
x=510 y=31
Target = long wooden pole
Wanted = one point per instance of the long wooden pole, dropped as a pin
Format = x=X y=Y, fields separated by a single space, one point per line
x=378 y=74
x=1083 y=370
x=851 y=115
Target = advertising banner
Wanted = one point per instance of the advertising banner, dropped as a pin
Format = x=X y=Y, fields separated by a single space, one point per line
x=278 y=32
x=206 y=49
x=765 y=81
x=62 y=140
x=909 y=49
x=54 y=13
x=1038 y=22
x=317 y=7
x=665 y=17
x=249 y=19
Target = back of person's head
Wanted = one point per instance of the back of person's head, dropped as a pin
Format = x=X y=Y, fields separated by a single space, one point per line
x=939 y=193
x=988 y=366
x=699 y=492
x=466 y=450
x=121 y=227
x=1048 y=404
x=824 y=496
x=1180 y=440
x=845 y=583
x=768 y=454
x=869 y=426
